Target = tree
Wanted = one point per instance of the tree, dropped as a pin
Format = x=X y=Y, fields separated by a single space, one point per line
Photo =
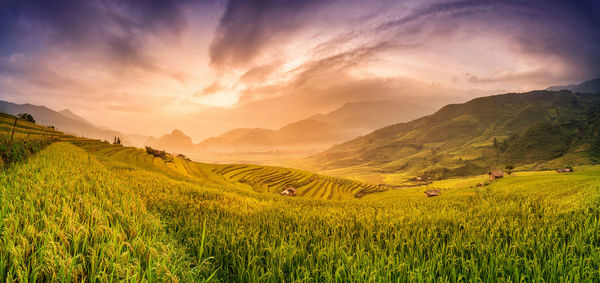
x=26 y=117
x=509 y=168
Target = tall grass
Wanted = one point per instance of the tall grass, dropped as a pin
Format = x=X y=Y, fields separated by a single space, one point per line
x=19 y=139
x=70 y=214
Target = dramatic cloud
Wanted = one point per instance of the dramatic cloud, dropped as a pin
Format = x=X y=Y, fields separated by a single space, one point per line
x=248 y=26
x=211 y=89
x=208 y=66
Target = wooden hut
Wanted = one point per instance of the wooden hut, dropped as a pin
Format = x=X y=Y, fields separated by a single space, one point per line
x=496 y=174
x=290 y=192
x=433 y=193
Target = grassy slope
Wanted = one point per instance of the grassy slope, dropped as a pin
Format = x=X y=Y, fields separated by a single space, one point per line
x=21 y=139
x=67 y=216
x=86 y=215
x=265 y=179
x=527 y=182
x=459 y=138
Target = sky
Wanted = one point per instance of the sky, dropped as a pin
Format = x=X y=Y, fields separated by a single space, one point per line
x=205 y=67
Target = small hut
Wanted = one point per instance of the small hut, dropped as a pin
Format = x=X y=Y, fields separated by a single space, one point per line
x=496 y=174
x=181 y=156
x=433 y=193
x=290 y=192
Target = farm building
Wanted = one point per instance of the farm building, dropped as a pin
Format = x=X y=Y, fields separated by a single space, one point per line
x=433 y=193
x=181 y=156
x=496 y=174
x=291 y=191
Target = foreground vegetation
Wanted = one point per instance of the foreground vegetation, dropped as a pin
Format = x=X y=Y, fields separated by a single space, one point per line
x=21 y=137
x=83 y=210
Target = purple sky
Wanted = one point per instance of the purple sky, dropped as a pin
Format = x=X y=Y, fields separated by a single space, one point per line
x=208 y=66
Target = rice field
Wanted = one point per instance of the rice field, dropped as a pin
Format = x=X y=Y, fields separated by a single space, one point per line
x=20 y=138
x=83 y=210
x=274 y=179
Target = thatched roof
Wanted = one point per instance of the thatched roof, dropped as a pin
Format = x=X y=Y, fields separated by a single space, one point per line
x=433 y=193
x=289 y=191
x=496 y=173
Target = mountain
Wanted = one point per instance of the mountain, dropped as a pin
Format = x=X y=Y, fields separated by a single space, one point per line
x=320 y=130
x=561 y=87
x=590 y=86
x=373 y=114
x=138 y=140
x=239 y=137
x=176 y=141
x=69 y=114
x=303 y=133
x=65 y=121
x=460 y=139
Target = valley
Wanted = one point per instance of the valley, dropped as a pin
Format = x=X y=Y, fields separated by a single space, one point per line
x=299 y=141
x=87 y=210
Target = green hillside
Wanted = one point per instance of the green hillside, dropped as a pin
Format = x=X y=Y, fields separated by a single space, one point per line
x=20 y=138
x=527 y=130
x=64 y=121
x=85 y=210
x=262 y=179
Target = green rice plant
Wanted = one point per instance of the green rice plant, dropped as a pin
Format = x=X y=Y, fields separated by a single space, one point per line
x=83 y=210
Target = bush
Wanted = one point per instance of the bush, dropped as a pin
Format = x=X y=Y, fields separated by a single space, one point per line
x=159 y=153
x=26 y=117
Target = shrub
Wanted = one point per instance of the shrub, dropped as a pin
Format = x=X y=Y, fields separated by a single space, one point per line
x=26 y=117
x=159 y=153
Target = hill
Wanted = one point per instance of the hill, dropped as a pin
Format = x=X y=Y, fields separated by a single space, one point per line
x=65 y=121
x=85 y=210
x=561 y=87
x=68 y=113
x=176 y=141
x=20 y=138
x=462 y=139
x=589 y=86
x=303 y=133
x=307 y=136
x=321 y=130
x=365 y=116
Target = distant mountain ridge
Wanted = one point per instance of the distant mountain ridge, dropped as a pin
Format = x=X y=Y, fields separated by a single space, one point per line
x=321 y=130
x=372 y=114
x=175 y=141
x=65 y=121
x=68 y=113
x=484 y=133
x=302 y=132
x=589 y=86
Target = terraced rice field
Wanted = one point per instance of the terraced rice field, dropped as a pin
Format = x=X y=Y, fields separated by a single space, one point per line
x=275 y=179
x=264 y=179
x=87 y=211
